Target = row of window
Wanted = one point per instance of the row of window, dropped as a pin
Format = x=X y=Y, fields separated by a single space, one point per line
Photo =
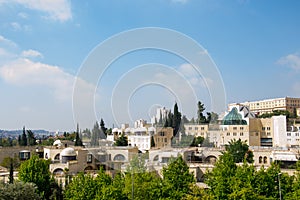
x=196 y=128
x=266 y=128
x=235 y=134
x=262 y=159
x=161 y=139
x=290 y=134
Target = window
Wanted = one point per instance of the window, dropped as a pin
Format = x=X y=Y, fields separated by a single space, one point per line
x=234 y=128
x=260 y=160
x=268 y=133
x=268 y=128
x=196 y=128
x=296 y=134
x=228 y=134
x=190 y=128
x=241 y=134
x=89 y=158
x=202 y=128
x=234 y=134
x=265 y=159
x=288 y=134
x=256 y=134
x=241 y=128
x=263 y=128
x=166 y=140
x=162 y=133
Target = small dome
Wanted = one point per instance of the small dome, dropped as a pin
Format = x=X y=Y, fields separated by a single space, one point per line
x=68 y=152
x=57 y=143
x=115 y=130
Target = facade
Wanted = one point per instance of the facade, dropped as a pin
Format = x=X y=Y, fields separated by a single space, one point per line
x=163 y=137
x=269 y=105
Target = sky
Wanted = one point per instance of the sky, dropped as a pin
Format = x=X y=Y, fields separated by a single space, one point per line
x=251 y=47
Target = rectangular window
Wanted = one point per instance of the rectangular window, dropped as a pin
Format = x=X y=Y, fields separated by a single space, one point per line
x=228 y=134
x=241 y=128
x=296 y=134
x=288 y=134
x=234 y=128
x=89 y=158
x=241 y=134
x=234 y=134
x=268 y=128
x=166 y=140
x=202 y=128
x=268 y=133
x=190 y=128
x=263 y=128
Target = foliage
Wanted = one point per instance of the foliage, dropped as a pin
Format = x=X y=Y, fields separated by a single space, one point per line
x=176 y=120
x=200 y=118
x=122 y=141
x=23 y=138
x=197 y=141
x=176 y=179
x=276 y=113
x=18 y=190
x=152 y=141
x=31 y=140
x=103 y=129
x=78 y=141
x=239 y=150
x=95 y=136
x=36 y=171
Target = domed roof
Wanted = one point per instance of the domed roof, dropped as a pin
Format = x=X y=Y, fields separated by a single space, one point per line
x=233 y=118
x=57 y=143
x=68 y=152
x=115 y=130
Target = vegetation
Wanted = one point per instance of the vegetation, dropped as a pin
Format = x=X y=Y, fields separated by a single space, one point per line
x=277 y=113
x=239 y=150
x=18 y=190
x=36 y=171
x=78 y=141
x=27 y=139
x=122 y=141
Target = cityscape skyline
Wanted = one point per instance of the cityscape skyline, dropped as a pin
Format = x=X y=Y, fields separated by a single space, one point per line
x=254 y=45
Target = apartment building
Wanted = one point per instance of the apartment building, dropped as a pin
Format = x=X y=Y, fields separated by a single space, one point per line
x=269 y=105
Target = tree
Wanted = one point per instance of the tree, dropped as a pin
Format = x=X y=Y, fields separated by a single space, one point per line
x=78 y=141
x=122 y=141
x=103 y=129
x=197 y=141
x=176 y=120
x=177 y=179
x=31 y=140
x=23 y=140
x=36 y=171
x=239 y=150
x=11 y=164
x=201 y=118
x=152 y=141
x=18 y=190
x=95 y=135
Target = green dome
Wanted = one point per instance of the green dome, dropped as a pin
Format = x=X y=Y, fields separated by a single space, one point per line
x=233 y=118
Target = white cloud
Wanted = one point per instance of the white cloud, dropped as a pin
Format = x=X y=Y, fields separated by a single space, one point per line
x=24 y=72
x=8 y=42
x=193 y=76
x=16 y=26
x=31 y=53
x=56 y=9
x=291 y=60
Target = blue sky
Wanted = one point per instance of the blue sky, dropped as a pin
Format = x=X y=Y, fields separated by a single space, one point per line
x=254 y=44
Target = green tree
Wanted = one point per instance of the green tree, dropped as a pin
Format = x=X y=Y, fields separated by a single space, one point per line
x=122 y=141
x=36 y=171
x=176 y=179
x=103 y=129
x=11 y=164
x=30 y=138
x=220 y=178
x=152 y=141
x=95 y=135
x=176 y=120
x=82 y=187
x=197 y=141
x=201 y=118
x=78 y=141
x=23 y=138
x=239 y=150
x=18 y=191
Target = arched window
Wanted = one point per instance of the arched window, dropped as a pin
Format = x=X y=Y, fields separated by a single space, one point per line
x=265 y=159
x=119 y=157
x=156 y=158
x=260 y=160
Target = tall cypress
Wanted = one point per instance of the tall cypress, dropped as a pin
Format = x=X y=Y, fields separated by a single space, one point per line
x=176 y=120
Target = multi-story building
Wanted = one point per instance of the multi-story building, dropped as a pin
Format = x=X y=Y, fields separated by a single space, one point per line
x=163 y=137
x=269 y=105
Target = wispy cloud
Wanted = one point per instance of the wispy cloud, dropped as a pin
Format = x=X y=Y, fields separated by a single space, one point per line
x=59 y=10
x=31 y=53
x=5 y=41
x=291 y=60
